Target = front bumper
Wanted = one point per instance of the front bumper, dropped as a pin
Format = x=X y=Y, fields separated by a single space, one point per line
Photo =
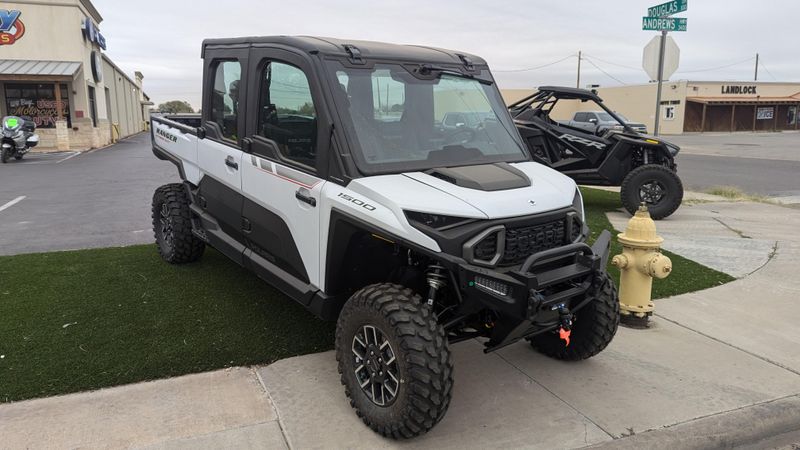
x=526 y=299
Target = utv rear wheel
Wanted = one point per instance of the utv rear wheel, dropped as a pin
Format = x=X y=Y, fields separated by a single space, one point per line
x=593 y=327
x=657 y=186
x=173 y=226
x=18 y=157
x=394 y=361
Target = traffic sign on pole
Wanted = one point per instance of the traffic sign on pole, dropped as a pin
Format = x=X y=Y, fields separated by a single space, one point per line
x=668 y=9
x=652 y=54
x=664 y=23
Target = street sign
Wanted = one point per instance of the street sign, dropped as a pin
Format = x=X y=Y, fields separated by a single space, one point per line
x=672 y=56
x=668 y=9
x=664 y=23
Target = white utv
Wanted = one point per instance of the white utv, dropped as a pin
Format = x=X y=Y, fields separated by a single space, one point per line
x=324 y=166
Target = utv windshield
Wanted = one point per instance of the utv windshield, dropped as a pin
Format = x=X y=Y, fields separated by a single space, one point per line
x=402 y=122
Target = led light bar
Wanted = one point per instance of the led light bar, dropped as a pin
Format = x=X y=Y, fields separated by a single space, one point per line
x=491 y=285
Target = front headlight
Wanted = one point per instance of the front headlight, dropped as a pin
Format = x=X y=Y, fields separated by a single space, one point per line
x=435 y=221
x=577 y=203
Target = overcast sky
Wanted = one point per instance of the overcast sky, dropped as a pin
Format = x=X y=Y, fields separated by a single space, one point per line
x=162 y=38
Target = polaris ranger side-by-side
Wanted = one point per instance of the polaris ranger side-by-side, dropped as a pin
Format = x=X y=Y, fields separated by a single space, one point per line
x=325 y=167
x=643 y=166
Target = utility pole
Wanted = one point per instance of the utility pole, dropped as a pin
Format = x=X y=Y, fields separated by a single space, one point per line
x=578 y=83
x=660 y=79
x=756 y=76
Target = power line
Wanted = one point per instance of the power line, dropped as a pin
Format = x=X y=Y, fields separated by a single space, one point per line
x=538 y=67
x=613 y=64
x=767 y=70
x=606 y=73
x=718 y=67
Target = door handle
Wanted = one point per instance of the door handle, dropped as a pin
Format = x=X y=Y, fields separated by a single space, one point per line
x=231 y=163
x=305 y=198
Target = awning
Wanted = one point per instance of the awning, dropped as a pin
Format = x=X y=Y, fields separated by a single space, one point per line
x=27 y=67
x=745 y=100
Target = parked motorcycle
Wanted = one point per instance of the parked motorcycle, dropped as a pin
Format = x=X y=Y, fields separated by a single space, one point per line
x=18 y=138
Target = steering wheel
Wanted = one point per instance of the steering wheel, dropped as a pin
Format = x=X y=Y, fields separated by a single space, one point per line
x=453 y=136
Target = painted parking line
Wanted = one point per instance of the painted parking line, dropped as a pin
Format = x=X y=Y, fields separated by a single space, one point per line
x=43 y=158
x=12 y=203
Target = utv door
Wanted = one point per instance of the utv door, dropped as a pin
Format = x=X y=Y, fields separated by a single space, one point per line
x=280 y=175
x=220 y=154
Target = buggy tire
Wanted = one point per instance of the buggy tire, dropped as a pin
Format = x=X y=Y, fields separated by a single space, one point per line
x=593 y=328
x=172 y=225
x=4 y=154
x=667 y=179
x=18 y=157
x=418 y=344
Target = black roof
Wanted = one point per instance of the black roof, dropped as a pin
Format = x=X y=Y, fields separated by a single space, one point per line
x=570 y=92
x=368 y=49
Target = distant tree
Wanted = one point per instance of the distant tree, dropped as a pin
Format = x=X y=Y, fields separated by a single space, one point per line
x=175 y=107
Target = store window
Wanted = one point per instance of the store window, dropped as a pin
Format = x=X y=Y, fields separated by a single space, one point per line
x=37 y=102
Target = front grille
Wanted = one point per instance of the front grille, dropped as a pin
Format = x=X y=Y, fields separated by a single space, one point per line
x=522 y=242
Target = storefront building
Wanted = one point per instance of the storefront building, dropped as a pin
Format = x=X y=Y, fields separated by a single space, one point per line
x=53 y=71
x=699 y=106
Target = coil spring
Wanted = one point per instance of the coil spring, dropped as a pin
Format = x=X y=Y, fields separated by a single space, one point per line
x=436 y=278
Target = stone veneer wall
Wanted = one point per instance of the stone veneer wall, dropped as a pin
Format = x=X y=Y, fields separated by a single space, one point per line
x=86 y=137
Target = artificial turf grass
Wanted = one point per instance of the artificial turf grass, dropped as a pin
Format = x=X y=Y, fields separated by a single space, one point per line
x=686 y=276
x=86 y=319
x=81 y=320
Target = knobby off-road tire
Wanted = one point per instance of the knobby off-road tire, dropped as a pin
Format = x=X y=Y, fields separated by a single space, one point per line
x=172 y=225
x=593 y=328
x=18 y=157
x=4 y=154
x=421 y=365
x=643 y=178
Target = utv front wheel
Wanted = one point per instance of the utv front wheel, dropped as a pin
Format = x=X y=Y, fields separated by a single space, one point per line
x=394 y=361
x=657 y=186
x=593 y=327
x=4 y=154
x=172 y=225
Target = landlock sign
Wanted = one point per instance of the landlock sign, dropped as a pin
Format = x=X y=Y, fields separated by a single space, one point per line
x=739 y=90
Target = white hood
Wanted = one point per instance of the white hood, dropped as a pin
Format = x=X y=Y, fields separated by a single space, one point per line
x=548 y=190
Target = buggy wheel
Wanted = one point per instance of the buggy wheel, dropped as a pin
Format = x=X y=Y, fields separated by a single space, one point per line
x=4 y=154
x=657 y=186
x=172 y=225
x=18 y=157
x=394 y=361
x=594 y=325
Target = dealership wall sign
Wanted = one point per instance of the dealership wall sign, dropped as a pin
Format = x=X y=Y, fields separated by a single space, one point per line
x=11 y=27
x=92 y=34
x=738 y=89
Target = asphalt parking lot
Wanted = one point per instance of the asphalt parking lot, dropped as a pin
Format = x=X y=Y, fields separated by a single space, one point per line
x=758 y=163
x=63 y=201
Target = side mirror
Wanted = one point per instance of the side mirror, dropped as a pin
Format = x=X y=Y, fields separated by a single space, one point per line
x=594 y=121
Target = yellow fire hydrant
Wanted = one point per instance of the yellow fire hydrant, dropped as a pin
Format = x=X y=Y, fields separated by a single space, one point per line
x=641 y=260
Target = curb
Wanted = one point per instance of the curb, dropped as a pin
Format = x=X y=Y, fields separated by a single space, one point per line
x=744 y=426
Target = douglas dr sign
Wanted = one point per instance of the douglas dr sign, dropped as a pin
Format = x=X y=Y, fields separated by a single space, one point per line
x=11 y=28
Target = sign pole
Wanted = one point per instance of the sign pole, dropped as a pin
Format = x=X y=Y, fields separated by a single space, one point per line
x=660 y=79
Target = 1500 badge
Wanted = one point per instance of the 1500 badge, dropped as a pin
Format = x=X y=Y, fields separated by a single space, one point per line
x=356 y=201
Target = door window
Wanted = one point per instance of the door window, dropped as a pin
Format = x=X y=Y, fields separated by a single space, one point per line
x=581 y=117
x=286 y=113
x=225 y=98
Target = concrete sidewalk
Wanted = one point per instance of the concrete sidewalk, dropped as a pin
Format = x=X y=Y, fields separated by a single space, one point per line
x=719 y=368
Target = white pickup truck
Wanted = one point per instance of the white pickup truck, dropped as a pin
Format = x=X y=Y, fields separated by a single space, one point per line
x=323 y=166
